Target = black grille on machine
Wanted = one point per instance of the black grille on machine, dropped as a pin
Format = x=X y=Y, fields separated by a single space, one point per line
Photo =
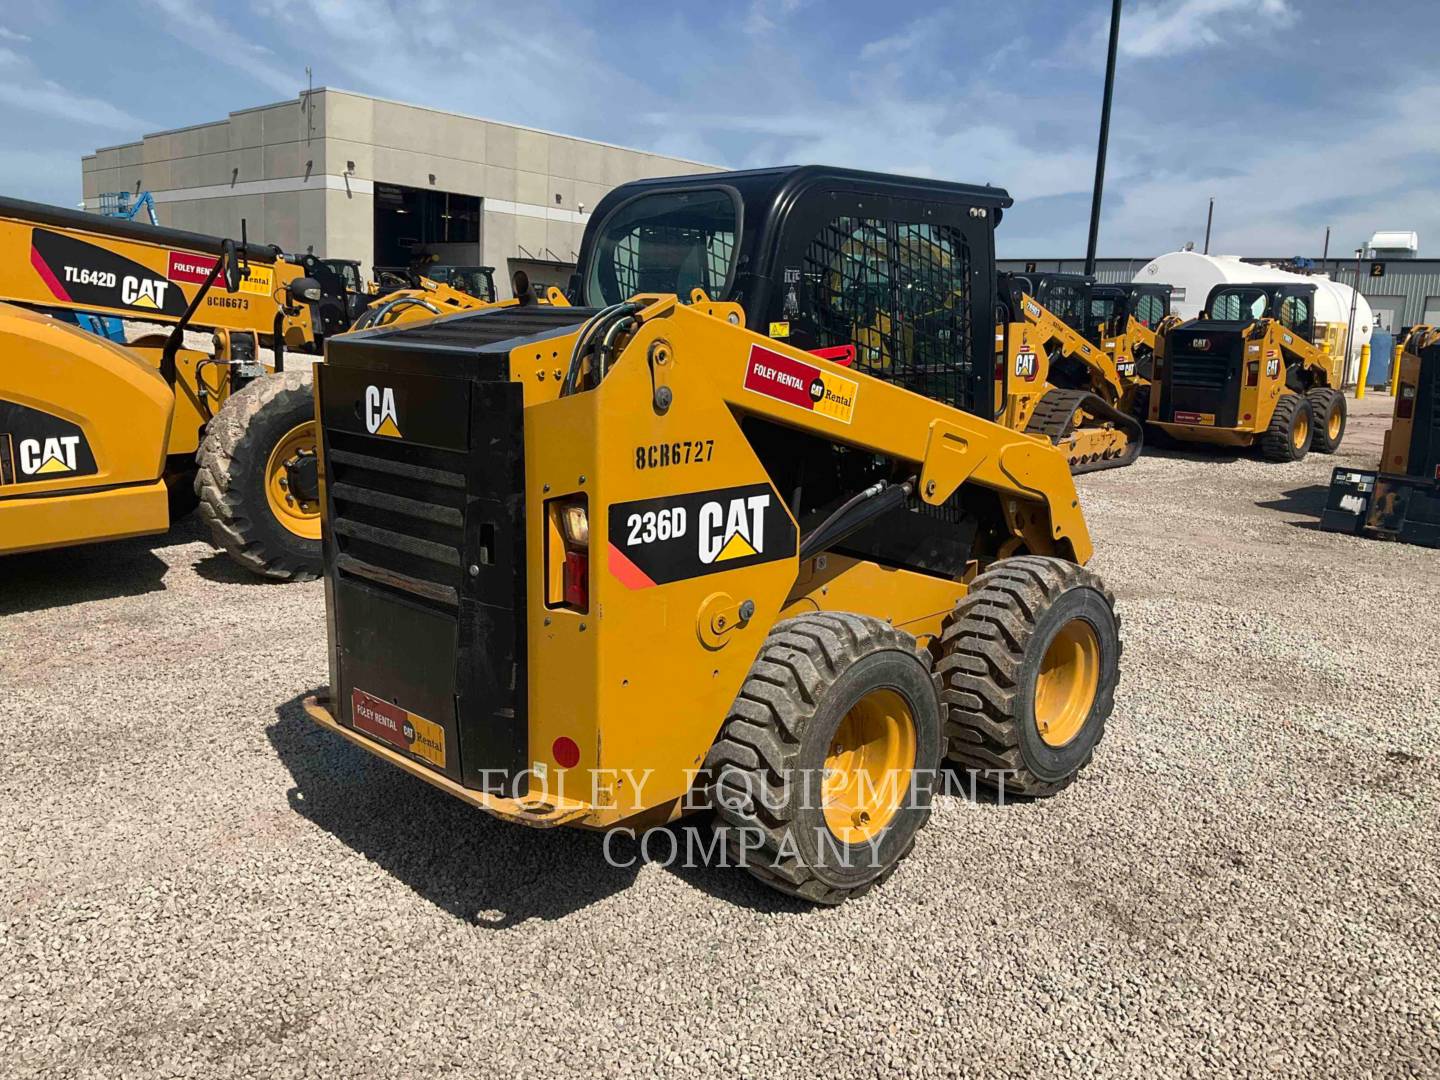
x=399 y=515
x=1201 y=370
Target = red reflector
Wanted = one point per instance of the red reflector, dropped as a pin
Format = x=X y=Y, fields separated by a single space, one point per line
x=844 y=355
x=577 y=580
x=1405 y=408
x=565 y=752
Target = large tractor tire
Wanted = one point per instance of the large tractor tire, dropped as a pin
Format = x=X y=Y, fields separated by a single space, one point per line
x=258 y=483
x=1027 y=666
x=1328 y=417
x=1290 y=432
x=822 y=773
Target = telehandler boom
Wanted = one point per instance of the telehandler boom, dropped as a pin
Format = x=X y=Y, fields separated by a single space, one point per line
x=99 y=438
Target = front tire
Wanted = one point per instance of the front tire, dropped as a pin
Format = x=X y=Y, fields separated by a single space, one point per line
x=1289 y=434
x=822 y=773
x=256 y=478
x=1028 y=665
x=1328 y=417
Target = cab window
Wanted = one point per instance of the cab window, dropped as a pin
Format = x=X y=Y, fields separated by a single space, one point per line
x=1149 y=309
x=1295 y=313
x=667 y=242
x=1239 y=305
x=899 y=292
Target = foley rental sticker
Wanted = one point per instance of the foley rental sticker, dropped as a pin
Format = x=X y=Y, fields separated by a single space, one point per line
x=798 y=383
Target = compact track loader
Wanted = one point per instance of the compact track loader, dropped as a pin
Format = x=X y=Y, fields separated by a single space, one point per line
x=1400 y=500
x=1247 y=373
x=768 y=555
x=1054 y=383
x=98 y=437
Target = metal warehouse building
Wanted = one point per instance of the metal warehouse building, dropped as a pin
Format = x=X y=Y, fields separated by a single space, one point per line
x=357 y=177
x=1401 y=291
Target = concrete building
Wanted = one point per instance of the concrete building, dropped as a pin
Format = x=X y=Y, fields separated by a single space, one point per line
x=357 y=177
x=1401 y=291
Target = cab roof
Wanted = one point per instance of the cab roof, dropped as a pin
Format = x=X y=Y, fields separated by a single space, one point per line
x=772 y=189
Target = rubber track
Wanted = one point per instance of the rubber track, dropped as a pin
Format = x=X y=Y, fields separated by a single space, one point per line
x=1054 y=418
x=981 y=649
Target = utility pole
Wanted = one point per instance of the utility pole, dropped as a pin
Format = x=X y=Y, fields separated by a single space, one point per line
x=1350 y=327
x=1209 y=218
x=1325 y=254
x=1104 y=136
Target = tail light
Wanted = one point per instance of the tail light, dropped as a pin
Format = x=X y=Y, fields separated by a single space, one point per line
x=1252 y=373
x=1405 y=406
x=567 y=553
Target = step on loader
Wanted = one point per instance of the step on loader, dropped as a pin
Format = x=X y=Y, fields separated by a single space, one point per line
x=1248 y=373
x=769 y=555
x=1401 y=499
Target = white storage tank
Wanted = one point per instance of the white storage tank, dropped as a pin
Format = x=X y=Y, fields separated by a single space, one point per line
x=1193 y=275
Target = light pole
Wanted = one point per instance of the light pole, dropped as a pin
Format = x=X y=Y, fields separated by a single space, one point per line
x=1104 y=137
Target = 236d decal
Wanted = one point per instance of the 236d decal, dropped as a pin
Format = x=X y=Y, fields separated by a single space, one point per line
x=656 y=541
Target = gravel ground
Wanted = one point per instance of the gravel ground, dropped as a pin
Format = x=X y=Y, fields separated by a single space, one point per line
x=196 y=881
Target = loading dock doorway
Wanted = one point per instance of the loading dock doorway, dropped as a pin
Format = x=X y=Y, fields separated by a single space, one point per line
x=414 y=226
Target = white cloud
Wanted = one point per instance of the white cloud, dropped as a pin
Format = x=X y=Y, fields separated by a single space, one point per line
x=231 y=45
x=6 y=34
x=25 y=90
x=1169 y=28
x=764 y=17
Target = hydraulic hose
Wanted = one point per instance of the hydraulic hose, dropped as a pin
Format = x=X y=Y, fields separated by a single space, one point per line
x=854 y=514
x=607 y=318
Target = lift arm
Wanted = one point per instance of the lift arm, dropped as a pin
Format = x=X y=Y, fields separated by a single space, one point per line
x=1060 y=335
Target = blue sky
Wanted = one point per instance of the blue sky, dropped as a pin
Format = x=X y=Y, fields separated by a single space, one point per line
x=1294 y=114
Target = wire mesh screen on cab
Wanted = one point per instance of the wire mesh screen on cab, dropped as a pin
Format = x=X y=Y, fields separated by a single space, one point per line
x=900 y=292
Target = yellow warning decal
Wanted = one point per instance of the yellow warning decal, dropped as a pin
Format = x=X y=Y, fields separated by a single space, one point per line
x=779 y=329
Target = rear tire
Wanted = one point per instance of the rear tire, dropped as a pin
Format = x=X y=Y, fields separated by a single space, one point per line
x=1290 y=431
x=831 y=696
x=235 y=482
x=1028 y=665
x=1328 y=418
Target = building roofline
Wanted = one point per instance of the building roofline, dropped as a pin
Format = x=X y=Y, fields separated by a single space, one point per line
x=406 y=105
x=1342 y=262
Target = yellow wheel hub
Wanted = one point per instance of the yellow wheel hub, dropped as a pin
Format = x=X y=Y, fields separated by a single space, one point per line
x=300 y=516
x=1068 y=682
x=1334 y=424
x=869 y=766
x=1302 y=428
